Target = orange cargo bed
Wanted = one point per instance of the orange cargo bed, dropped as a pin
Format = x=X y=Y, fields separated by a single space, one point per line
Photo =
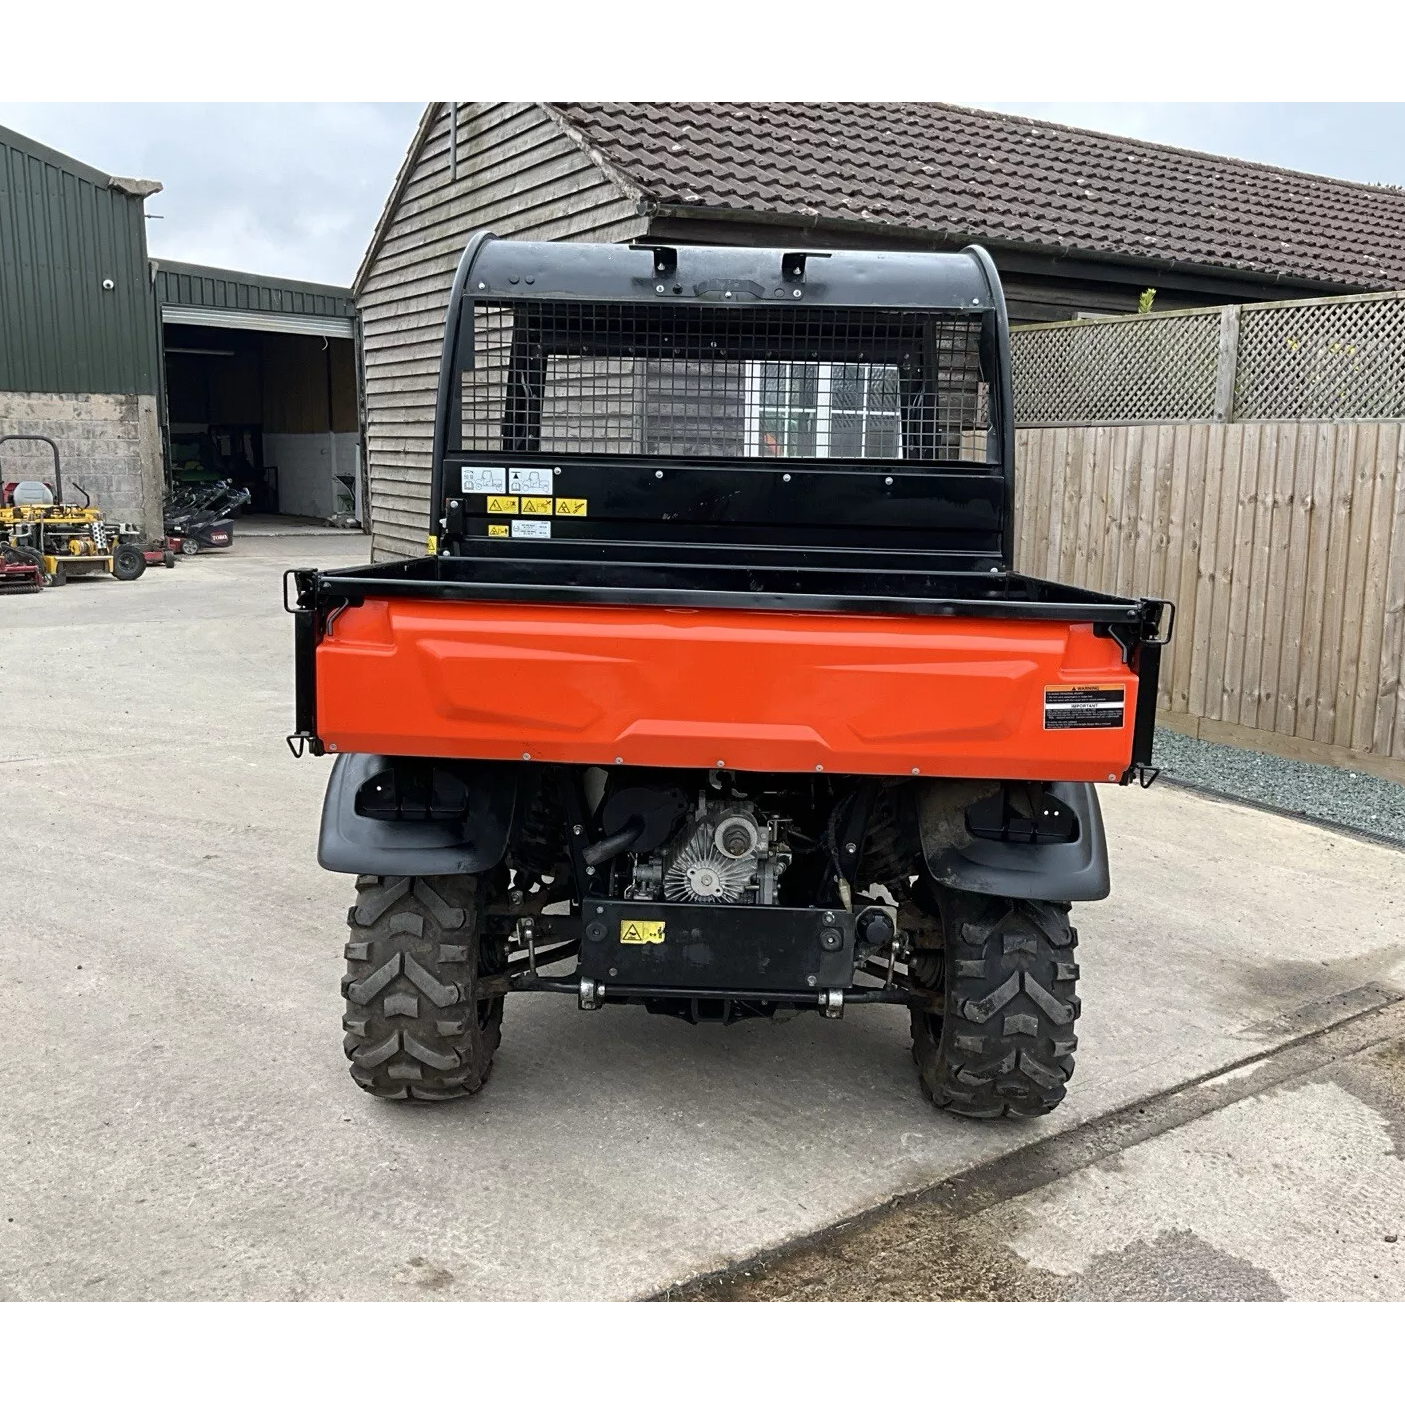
x=753 y=690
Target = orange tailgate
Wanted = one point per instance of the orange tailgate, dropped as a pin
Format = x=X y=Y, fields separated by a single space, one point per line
x=657 y=686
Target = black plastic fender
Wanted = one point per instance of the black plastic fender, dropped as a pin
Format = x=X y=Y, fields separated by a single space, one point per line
x=1073 y=872
x=416 y=848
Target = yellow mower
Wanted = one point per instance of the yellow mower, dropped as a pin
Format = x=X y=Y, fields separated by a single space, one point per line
x=68 y=540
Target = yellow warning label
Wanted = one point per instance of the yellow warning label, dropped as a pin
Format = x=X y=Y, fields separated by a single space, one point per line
x=431 y=545
x=497 y=529
x=633 y=932
x=536 y=507
x=502 y=504
x=570 y=507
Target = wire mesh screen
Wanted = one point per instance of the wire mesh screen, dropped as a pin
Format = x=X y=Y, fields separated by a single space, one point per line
x=703 y=381
x=1157 y=368
x=1343 y=359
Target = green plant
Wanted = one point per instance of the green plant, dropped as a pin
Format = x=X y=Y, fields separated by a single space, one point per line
x=1145 y=301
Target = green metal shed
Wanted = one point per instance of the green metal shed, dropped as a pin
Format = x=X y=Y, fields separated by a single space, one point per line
x=77 y=310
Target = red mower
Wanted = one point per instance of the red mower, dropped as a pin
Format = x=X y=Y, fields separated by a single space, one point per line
x=21 y=571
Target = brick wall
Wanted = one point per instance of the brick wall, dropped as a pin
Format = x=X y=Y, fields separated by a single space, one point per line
x=109 y=443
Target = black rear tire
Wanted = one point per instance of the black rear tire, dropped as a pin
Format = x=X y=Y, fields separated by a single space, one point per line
x=416 y=1028
x=127 y=562
x=994 y=1036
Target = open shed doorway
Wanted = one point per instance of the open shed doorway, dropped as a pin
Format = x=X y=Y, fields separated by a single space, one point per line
x=273 y=411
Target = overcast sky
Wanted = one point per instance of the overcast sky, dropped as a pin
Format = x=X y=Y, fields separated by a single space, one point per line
x=294 y=189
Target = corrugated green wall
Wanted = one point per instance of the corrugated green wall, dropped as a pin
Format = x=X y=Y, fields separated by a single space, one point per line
x=192 y=285
x=63 y=230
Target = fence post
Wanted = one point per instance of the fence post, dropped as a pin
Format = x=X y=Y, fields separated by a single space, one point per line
x=1225 y=363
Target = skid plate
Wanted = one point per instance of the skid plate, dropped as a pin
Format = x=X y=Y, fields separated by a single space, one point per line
x=702 y=946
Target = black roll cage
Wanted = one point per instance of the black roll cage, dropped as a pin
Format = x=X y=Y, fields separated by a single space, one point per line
x=960 y=511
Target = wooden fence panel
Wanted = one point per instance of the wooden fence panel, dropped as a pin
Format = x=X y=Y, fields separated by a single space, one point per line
x=1282 y=544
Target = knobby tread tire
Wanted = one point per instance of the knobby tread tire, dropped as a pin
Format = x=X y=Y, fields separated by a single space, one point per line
x=414 y=1029
x=998 y=1039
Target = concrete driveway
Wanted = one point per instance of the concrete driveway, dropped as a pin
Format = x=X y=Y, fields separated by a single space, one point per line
x=180 y=1124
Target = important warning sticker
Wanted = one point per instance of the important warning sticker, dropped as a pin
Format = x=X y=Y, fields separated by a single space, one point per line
x=1066 y=708
x=536 y=507
x=497 y=529
x=633 y=932
x=530 y=529
x=570 y=507
x=506 y=505
x=531 y=480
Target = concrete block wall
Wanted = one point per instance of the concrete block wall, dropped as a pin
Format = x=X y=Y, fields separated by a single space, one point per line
x=111 y=444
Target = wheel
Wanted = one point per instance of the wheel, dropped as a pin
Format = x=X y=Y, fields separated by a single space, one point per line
x=168 y=560
x=189 y=546
x=56 y=578
x=127 y=562
x=994 y=1036
x=414 y=1028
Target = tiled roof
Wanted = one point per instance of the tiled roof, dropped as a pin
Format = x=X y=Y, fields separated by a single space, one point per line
x=1012 y=180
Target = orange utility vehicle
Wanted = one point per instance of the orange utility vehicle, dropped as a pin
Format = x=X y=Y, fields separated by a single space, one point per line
x=716 y=690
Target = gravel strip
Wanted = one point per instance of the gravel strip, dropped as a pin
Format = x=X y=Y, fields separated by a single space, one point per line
x=1302 y=787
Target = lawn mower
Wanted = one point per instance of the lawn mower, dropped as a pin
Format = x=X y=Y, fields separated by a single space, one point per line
x=66 y=539
x=21 y=571
x=200 y=517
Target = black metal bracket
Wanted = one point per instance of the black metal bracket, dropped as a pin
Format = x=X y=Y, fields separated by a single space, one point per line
x=665 y=259
x=793 y=264
x=578 y=833
x=1143 y=627
x=729 y=288
x=308 y=623
x=304 y=595
x=1166 y=611
x=853 y=826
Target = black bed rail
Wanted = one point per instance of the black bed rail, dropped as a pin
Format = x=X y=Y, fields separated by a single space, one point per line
x=605 y=573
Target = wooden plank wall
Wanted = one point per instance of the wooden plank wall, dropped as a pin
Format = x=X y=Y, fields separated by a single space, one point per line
x=1282 y=545
x=518 y=174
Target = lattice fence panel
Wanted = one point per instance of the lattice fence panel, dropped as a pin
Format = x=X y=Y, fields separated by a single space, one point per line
x=1145 y=368
x=1321 y=360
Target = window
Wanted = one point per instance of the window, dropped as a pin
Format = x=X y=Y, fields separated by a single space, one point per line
x=826 y=410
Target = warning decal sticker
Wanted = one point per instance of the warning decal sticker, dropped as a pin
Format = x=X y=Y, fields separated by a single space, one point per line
x=507 y=505
x=531 y=480
x=633 y=932
x=1066 y=708
x=536 y=507
x=497 y=529
x=570 y=507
